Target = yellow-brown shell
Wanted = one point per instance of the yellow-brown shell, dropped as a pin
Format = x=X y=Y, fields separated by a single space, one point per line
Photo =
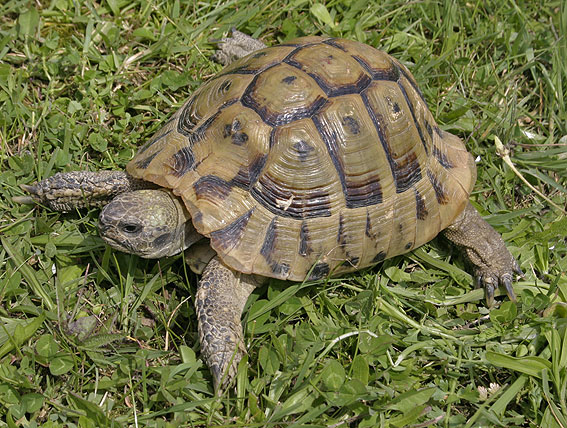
x=308 y=158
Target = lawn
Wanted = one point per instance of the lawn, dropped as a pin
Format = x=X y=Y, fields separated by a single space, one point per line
x=92 y=337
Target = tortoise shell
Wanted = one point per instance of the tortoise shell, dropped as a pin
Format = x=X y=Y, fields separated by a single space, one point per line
x=312 y=157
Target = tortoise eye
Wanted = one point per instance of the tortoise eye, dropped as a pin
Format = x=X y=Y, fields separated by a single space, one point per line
x=131 y=228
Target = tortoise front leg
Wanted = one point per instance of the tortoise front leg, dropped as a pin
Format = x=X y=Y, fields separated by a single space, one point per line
x=486 y=251
x=220 y=299
x=66 y=191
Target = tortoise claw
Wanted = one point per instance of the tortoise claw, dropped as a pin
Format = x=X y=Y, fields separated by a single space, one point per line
x=491 y=280
x=517 y=270
x=33 y=189
x=506 y=281
x=489 y=289
x=27 y=200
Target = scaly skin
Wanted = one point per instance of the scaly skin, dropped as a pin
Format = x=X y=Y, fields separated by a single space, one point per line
x=220 y=299
x=237 y=46
x=486 y=251
x=67 y=191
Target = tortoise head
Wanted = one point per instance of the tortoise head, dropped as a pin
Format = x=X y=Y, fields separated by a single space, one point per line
x=150 y=223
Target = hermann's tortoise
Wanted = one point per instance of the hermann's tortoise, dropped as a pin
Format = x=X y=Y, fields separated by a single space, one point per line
x=315 y=157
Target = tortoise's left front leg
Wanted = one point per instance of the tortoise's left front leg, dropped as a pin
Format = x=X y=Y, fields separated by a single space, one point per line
x=221 y=296
x=486 y=250
x=67 y=191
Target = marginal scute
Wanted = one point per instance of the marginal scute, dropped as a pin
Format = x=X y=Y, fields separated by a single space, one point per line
x=311 y=158
x=304 y=244
x=211 y=187
x=320 y=270
x=225 y=239
x=268 y=250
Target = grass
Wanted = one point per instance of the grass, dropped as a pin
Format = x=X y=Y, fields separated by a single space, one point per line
x=94 y=338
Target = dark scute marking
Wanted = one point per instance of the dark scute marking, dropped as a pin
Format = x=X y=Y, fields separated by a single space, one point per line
x=420 y=209
x=198 y=217
x=269 y=240
x=151 y=141
x=304 y=247
x=378 y=121
x=245 y=177
x=333 y=43
x=268 y=248
x=183 y=161
x=320 y=270
x=379 y=257
x=289 y=79
x=439 y=189
x=363 y=194
x=392 y=74
x=185 y=124
x=303 y=149
x=274 y=118
x=259 y=55
x=412 y=83
x=396 y=108
x=227 y=130
x=224 y=87
x=226 y=238
x=439 y=131
x=144 y=163
x=330 y=90
x=270 y=195
x=442 y=158
x=239 y=138
x=368 y=231
x=187 y=128
x=238 y=70
x=408 y=245
x=212 y=187
x=233 y=130
x=429 y=129
x=299 y=46
x=353 y=261
x=357 y=193
x=408 y=172
x=352 y=124
x=273 y=140
x=412 y=111
x=256 y=167
x=341 y=234
x=293 y=52
x=161 y=240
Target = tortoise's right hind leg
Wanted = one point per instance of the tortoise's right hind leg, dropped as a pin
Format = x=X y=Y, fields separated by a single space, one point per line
x=66 y=191
x=237 y=46
x=486 y=251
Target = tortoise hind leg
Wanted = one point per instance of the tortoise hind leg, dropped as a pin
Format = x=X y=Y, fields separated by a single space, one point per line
x=486 y=251
x=237 y=46
x=220 y=299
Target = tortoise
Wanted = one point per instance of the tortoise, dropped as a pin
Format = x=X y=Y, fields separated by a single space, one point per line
x=311 y=158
